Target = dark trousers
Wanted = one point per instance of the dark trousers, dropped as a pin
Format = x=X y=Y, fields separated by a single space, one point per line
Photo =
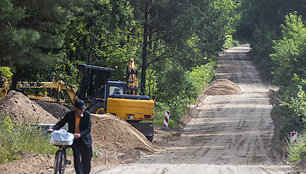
x=82 y=157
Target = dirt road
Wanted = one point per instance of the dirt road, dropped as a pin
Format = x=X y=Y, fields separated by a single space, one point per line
x=229 y=134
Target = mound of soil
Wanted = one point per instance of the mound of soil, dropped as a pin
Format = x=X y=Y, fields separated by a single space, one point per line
x=29 y=163
x=57 y=110
x=22 y=110
x=222 y=87
x=115 y=134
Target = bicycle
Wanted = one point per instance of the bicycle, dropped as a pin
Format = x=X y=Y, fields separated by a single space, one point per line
x=61 y=161
x=63 y=140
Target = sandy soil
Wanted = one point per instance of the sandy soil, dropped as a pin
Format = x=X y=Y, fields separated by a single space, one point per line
x=23 y=110
x=56 y=109
x=225 y=134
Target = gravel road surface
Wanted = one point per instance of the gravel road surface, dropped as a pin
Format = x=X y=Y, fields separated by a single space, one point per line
x=229 y=134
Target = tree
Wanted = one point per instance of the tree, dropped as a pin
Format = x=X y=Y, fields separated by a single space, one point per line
x=187 y=31
x=290 y=51
x=30 y=34
x=260 y=25
x=101 y=33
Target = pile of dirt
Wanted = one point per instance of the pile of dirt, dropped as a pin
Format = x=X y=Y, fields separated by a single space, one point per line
x=29 y=163
x=57 y=110
x=222 y=87
x=22 y=110
x=115 y=134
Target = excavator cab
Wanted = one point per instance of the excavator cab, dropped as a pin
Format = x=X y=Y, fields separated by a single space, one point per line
x=93 y=86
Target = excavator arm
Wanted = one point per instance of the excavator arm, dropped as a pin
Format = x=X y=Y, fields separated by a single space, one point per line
x=5 y=84
x=59 y=86
x=132 y=78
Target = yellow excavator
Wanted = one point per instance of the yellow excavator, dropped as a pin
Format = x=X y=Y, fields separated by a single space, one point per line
x=5 y=80
x=102 y=95
x=5 y=84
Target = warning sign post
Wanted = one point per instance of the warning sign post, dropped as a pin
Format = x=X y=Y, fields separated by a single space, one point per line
x=166 y=119
x=293 y=137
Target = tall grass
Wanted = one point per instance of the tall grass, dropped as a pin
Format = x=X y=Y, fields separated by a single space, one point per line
x=297 y=151
x=18 y=138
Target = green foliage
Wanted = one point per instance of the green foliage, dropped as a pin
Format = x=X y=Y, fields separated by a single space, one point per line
x=30 y=36
x=101 y=33
x=18 y=138
x=293 y=108
x=229 y=42
x=297 y=151
x=199 y=77
x=260 y=25
x=290 y=51
x=177 y=88
x=289 y=62
x=67 y=71
x=298 y=104
x=6 y=72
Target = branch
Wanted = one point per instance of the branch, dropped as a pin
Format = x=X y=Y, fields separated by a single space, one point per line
x=161 y=57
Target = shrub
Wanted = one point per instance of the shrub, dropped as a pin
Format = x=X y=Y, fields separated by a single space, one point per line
x=6 y=72
x=297 y=151
x=175 y=94
x=17 y=138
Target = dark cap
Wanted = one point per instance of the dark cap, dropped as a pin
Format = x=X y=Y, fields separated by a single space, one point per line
x=80 y=104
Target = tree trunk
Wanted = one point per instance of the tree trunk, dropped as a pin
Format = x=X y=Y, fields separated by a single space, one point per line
x=144 y=50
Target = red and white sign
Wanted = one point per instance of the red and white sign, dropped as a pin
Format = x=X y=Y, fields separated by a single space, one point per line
x=293 y=137
x=166 y=120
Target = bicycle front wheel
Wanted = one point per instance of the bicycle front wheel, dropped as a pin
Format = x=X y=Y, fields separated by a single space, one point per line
x=60 y=162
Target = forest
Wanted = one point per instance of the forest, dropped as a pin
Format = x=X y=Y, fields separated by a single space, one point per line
x=175 y=44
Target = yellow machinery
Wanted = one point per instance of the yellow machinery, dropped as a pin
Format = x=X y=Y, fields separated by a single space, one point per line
x=125 y=108
x=132 y=78
x=5 y=84
x=130 y=105
x=103 y=96
x=57 y=91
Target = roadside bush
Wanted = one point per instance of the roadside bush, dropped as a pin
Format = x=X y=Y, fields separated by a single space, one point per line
x=288 y=59
x=18 y=138
x=6 y=71
x=180 y=89
x=229 y=42
x=293 y=109
x=290 y=51
x=297 y=151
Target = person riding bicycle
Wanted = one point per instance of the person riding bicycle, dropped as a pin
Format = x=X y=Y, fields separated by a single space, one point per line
x=79 y=124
